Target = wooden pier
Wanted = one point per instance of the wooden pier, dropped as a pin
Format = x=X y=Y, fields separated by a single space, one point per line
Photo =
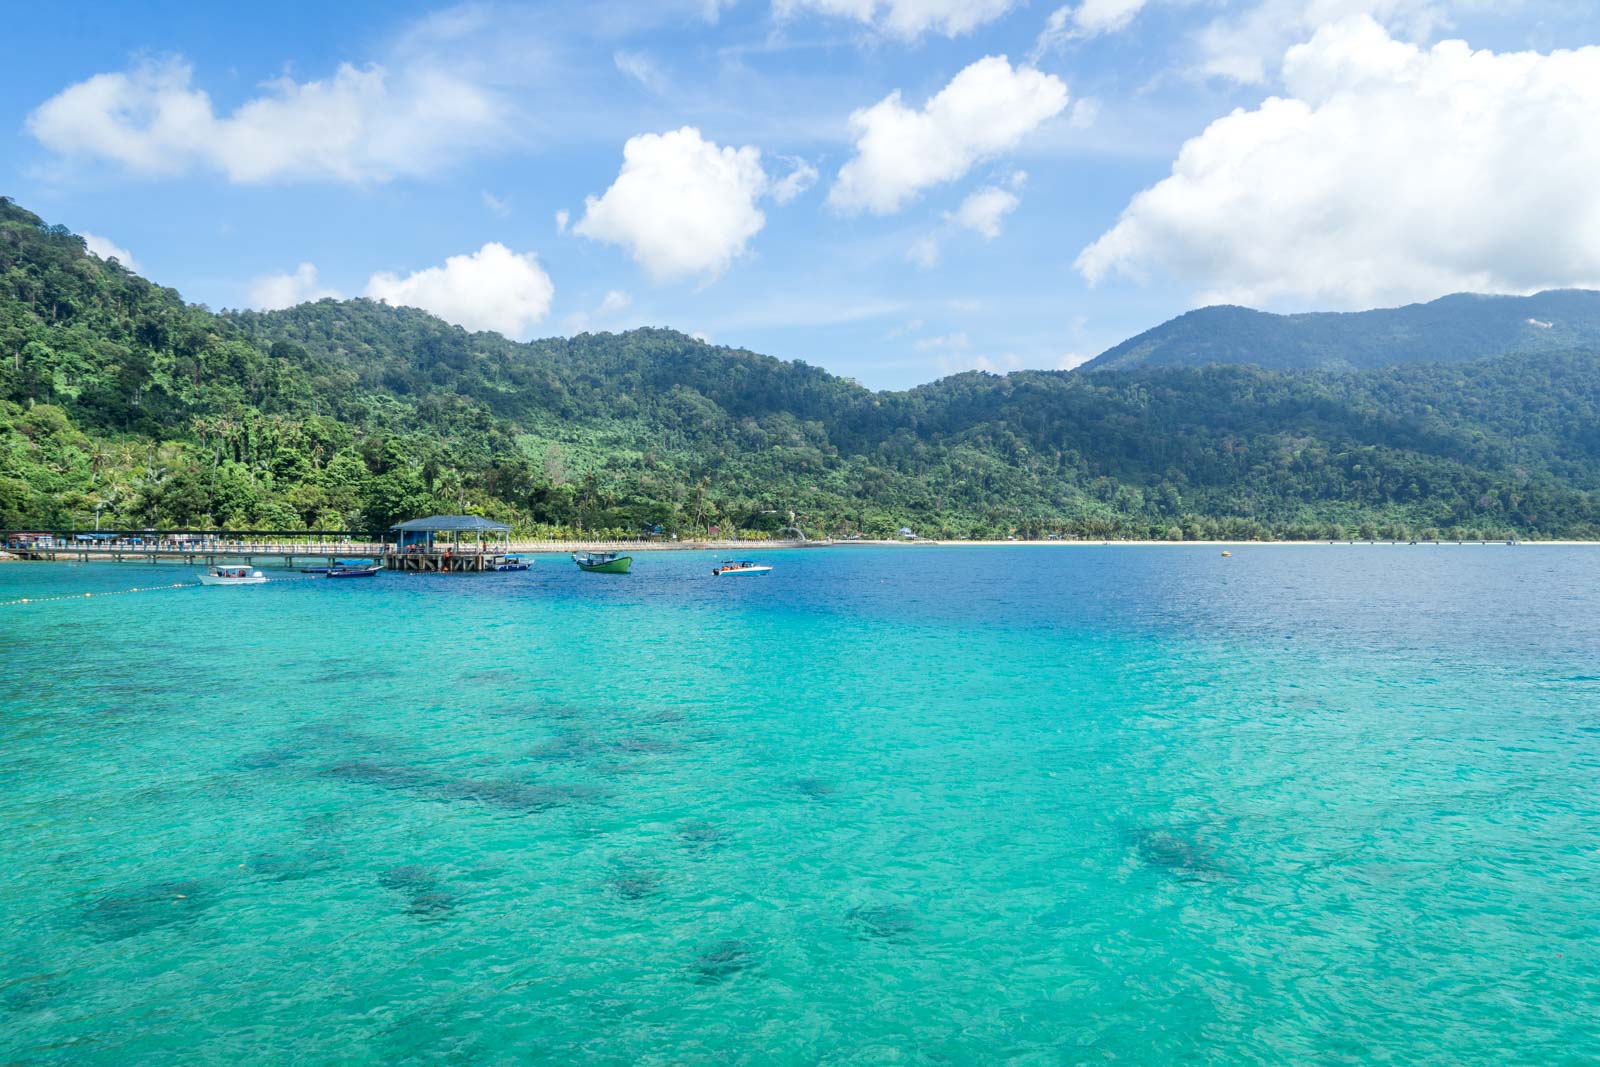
x=439 y=544
x=445 y=561
x=207 y=553
x=440 y=561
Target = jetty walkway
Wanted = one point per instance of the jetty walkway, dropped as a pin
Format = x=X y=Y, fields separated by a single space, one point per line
x=302 y=550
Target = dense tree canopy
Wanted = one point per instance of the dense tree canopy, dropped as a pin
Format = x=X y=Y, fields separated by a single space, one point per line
x=116 y=396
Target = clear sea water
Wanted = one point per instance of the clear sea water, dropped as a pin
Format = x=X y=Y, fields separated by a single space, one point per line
x=924 y=806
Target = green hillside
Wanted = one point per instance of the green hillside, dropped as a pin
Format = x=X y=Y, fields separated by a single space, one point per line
x=1452 y=329
x=116 y=395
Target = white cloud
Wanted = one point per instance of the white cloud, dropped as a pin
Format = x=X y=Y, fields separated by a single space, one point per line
x=562 y=218
x=1091 y=18
x=604 y=316
x=983 y=210
x=1002 y=363
x=642 y=69
x=1246 y=47
x=953 y=355
x=924 y=253
x=802 y=177
x=681 y=205
x=1389 y=172
x=908 y=19
x=950 y=342
x=1245 y=44
x=273 y=291
x=501 y=208
x=105 y=249
x=361 y=125
x=986 y=109
x=493 y=288
x=701 y=336
x=1085 y=113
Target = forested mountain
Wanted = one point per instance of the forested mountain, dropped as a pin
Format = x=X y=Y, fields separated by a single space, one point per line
x=1451 y=329
x=117 y=396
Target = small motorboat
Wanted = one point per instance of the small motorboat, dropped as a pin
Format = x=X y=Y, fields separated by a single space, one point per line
x=363 y=569
x=602 y=562
x=231 y=575
x=511 y=563
x=324 y=568
x=741 y=566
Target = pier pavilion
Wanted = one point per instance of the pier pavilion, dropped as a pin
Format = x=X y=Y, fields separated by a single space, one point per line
x=449 y=544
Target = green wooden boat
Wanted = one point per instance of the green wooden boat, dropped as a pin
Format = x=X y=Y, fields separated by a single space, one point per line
x=602 y=562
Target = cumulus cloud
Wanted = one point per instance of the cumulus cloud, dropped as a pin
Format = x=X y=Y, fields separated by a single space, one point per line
x=1389 y=172
x=681 y=205
x=105 y=249
x=986 y=109
x=361 y=125
x=908 y=19
x=1247 y=46
x=273 y=291
x=562 y=218
x=493 y=288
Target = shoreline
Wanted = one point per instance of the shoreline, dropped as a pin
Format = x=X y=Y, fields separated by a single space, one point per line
x=747 y=547
x=1200 y=544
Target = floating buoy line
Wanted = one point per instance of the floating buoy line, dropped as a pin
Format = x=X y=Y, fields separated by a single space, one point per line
x=86 y=596
x=136 y=589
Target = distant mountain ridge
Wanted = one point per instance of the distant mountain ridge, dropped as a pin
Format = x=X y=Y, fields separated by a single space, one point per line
x=1452 y=329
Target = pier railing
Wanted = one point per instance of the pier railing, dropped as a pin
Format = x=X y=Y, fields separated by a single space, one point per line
x=190 y=550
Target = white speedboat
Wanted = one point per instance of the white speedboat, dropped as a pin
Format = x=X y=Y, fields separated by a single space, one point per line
x=229 y=575
x=739 y=567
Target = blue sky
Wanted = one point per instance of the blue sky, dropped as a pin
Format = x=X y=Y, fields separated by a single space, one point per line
x=891 y=189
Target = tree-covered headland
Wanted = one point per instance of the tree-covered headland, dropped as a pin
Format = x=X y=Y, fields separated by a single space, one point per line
x=119 y=399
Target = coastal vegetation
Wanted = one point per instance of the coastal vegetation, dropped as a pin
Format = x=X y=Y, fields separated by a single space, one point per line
x=122 y=403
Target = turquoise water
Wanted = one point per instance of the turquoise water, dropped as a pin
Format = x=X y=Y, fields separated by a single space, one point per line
x=945 y=806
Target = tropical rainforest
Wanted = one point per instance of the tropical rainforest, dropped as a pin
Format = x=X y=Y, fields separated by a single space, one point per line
x=122 y=405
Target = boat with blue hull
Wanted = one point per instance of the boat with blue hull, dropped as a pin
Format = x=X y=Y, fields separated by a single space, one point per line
x=362 y=570
x=337 y=564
